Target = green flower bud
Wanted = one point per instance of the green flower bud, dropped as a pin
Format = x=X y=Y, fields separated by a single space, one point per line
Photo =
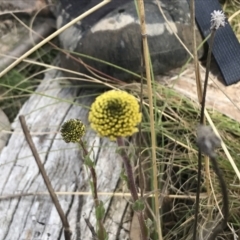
x=72 y=130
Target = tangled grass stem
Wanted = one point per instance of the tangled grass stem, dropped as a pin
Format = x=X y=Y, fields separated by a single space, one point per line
x=147 y=61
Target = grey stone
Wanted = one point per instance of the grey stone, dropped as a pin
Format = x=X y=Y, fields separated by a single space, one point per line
x=113 y=34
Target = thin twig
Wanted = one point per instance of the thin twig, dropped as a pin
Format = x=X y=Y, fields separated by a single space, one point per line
x=65 y=223
x=110 y=194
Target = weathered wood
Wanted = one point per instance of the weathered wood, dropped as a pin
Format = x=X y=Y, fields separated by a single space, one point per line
x=35 y=217
x=219 y=97
x=15 y=44
x=23 y=6
x=4 y=129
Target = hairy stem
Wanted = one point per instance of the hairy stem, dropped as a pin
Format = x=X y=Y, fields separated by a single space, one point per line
x=101 y=229
x=132 y=187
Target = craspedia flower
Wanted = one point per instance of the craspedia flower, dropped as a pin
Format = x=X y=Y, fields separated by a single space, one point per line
x=115 y=114
x=72 y=130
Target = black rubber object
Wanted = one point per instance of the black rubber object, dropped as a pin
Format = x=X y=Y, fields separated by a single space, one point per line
x=226 y=47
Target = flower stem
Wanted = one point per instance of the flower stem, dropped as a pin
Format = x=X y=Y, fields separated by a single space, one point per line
x=203 y=103
x=206 y=76
x=101 y=229
x=225 y=209
x=132 y=187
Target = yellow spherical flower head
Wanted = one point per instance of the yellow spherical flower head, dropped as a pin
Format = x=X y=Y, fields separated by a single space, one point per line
x=72 y=130
x=115 y=114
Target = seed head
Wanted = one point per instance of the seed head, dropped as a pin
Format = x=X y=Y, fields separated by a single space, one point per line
x=217 y=19
x=207 y=140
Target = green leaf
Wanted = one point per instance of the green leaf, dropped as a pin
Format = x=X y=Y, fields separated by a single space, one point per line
x=149 y=223
x=100 y=211
x=138 y=205
x=88 y=161
x=91 y=186
x=123 y=177
x=105 y=234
